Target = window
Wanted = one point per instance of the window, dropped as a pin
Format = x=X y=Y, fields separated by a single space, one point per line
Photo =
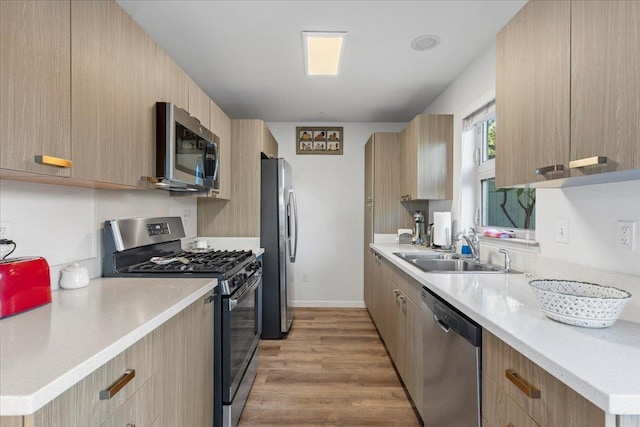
x=506 y=208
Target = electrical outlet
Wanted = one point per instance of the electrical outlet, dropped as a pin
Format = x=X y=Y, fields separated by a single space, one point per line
x=562 y=230
x=5 y=230
x=625 y=234
x=305 y=278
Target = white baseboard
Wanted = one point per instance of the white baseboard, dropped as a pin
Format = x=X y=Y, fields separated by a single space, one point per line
x=329 y=304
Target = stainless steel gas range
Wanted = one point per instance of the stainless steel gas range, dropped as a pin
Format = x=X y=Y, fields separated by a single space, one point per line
x=151 y=247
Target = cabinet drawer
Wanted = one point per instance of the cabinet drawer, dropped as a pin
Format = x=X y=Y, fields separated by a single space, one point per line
x=141 y=410
x=557 y=404
x=141 y=357
x=405 y=283
x=498 y=409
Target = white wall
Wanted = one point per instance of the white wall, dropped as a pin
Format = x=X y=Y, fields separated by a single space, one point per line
x=64 y=224
x=592 y=210
x=330 y=192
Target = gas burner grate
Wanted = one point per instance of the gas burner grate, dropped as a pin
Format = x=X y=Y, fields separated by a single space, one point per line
x=209 y=262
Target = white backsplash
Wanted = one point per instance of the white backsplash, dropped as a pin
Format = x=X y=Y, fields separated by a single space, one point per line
x=64 y=224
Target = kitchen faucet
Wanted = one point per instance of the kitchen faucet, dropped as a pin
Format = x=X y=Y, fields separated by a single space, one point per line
x=473 y=242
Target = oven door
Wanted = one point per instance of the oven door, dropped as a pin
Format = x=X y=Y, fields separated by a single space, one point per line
x=240 y=333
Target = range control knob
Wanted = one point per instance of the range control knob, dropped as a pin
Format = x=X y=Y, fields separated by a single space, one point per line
x=255 y=266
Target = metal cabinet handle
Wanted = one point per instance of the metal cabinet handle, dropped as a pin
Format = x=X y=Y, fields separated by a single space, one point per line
x=397 y=292
x=402 y=299
x=405 y=197
x=589 y=161
x=522 y=385
x=53 y=161
x=369 y=199
x=211 y=298
x=549 y=169
x=114 y=388
x=506 y=425
x=130 y=425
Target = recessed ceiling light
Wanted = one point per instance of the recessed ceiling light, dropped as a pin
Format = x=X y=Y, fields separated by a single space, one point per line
x=323 y=52
x=425 y=42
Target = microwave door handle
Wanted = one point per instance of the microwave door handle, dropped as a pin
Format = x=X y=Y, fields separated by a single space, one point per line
x=217 y=164
x=213 y=147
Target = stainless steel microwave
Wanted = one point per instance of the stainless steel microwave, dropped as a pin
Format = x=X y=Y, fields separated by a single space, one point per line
x=187 y=155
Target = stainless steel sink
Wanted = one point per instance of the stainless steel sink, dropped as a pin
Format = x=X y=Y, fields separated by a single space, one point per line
x=446 y=263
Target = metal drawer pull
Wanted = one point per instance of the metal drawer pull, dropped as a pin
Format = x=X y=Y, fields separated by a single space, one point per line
x=524 y=387
x=406 y=197
x=114 y=388
x=590 y=161
x=549 y=169
x=506 y=425
x=53 y=161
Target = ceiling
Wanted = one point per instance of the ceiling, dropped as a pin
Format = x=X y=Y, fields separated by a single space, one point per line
x=248 y=56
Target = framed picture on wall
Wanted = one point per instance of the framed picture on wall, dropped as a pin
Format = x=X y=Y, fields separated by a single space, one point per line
x=319 y=140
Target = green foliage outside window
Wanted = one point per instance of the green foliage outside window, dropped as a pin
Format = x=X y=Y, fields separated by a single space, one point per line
x=491 y=138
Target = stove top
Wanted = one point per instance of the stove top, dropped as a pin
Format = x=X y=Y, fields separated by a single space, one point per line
x=213 y=262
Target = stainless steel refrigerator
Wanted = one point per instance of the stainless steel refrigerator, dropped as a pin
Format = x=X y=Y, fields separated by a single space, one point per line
x=279 y=238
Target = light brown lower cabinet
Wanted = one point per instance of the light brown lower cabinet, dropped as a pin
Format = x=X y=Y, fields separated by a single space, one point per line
x=398 y=318
x=172 y=384
x=540 y=398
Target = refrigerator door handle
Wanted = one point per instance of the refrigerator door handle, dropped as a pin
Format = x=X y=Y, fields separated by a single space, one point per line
x=293 y=207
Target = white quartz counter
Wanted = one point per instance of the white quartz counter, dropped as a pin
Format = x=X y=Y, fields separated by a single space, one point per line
x=47 y=350
x=603 y=365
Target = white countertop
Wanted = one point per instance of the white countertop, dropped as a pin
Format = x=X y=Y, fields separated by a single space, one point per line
x=47 y=350
x=603 y=365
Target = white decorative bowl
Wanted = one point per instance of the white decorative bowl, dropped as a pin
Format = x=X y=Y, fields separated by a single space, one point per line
x=579 y=303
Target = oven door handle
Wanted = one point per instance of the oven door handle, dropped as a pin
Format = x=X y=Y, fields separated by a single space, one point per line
x=256 y=279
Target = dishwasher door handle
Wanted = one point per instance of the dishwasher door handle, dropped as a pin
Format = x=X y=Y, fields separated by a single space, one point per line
x=442 y=325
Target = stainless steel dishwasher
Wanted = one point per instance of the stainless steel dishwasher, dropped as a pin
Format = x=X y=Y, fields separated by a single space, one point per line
x=452 y=351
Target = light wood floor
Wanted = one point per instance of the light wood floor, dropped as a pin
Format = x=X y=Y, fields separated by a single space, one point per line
x=332 y=370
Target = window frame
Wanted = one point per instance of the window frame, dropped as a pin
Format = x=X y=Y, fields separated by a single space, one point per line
x=485 y=169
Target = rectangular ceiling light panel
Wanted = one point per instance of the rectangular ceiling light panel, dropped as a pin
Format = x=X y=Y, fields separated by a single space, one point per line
x=323 y=52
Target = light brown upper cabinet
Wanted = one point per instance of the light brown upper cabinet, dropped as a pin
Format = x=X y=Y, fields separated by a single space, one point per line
x=172 y=83
x=240 y=216
x=382 y=187
x=221 y=126
x=35 y=86
x=199 y=104
x=113 y=97
x=567 y=91
x=427 y=158
x=605 y=86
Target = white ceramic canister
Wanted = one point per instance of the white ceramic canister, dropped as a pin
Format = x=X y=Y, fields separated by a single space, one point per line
x=74 y=277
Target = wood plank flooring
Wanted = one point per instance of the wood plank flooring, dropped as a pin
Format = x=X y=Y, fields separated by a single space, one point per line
x=332 y=370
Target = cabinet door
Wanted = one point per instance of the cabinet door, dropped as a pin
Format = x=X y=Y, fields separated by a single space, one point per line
x=409 y=346
x=532 y=94
x=113 y=95
x=435 y=157
x=221 y=126
x=187 y=367
x=389 y=318
x=409 y=167
x=388 y=215
x=240 y=216
x=35 y=84
x=368 y=170
x=199 y=104
x=605 y=84
x=172 y=83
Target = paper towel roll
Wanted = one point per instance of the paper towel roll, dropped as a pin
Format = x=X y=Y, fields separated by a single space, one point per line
x=442 y=228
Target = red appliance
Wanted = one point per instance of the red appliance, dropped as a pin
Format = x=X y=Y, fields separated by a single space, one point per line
x=24 y=284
